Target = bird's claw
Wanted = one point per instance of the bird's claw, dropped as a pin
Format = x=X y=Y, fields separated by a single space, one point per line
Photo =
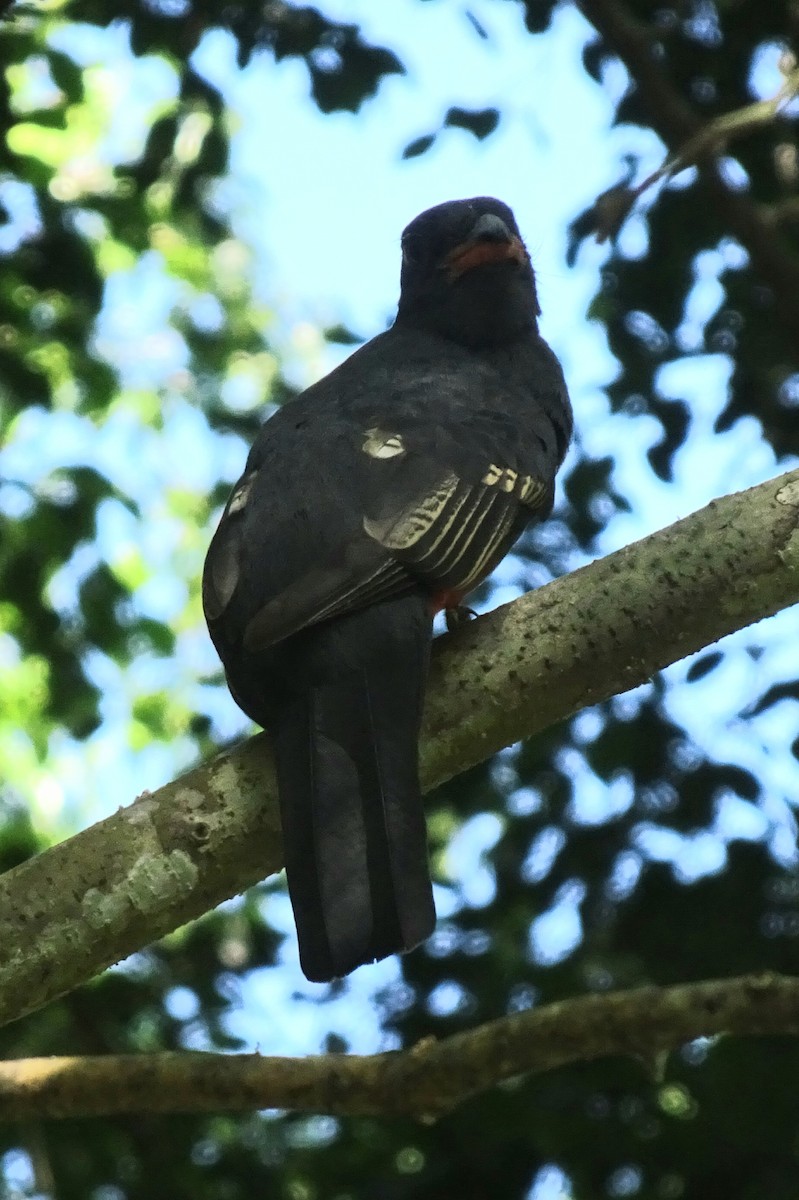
x=458 y=616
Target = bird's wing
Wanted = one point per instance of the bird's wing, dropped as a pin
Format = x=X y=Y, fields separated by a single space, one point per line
x=447 y=501
x=357 y=510
x=248 y=570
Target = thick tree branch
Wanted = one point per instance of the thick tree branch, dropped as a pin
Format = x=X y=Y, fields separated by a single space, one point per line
x=170 y=856
x=676 y=123
x=426 y=1081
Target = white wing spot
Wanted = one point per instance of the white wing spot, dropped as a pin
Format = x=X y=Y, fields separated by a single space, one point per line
x=525 y=487
x=379 y=444
x=532 y=490
x=508 y=481
x=241 y=495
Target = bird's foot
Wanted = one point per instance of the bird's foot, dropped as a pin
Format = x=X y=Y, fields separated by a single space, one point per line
x=458 y=616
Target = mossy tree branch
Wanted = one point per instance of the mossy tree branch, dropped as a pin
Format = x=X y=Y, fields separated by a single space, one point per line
x=170 y=856
x=425 y=1081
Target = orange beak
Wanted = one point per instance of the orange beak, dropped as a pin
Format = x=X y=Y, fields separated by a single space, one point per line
x=476 y=251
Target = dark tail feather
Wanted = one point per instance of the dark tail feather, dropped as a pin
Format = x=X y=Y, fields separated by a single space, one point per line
x=354 y=834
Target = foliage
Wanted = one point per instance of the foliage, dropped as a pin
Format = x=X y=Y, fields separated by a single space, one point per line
x=615 y=822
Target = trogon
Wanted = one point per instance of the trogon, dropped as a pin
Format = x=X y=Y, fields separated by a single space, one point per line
x=378 y=497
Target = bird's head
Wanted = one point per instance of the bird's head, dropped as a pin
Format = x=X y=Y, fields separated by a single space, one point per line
x=466 y=274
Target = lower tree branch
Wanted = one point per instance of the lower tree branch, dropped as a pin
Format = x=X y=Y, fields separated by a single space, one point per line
x=80 y=906
x=424 y=1082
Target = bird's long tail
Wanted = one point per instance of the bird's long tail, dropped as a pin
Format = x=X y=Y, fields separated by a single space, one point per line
x=354 y=834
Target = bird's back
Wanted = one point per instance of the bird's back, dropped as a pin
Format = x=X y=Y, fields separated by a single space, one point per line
x=382 y=494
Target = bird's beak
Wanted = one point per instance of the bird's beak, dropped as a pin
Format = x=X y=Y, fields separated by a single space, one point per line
x=489 y=241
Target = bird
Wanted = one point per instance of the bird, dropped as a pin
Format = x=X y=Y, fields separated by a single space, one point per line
x=378 y=497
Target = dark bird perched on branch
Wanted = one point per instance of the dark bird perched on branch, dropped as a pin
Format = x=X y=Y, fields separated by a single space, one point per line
x=381 y=495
